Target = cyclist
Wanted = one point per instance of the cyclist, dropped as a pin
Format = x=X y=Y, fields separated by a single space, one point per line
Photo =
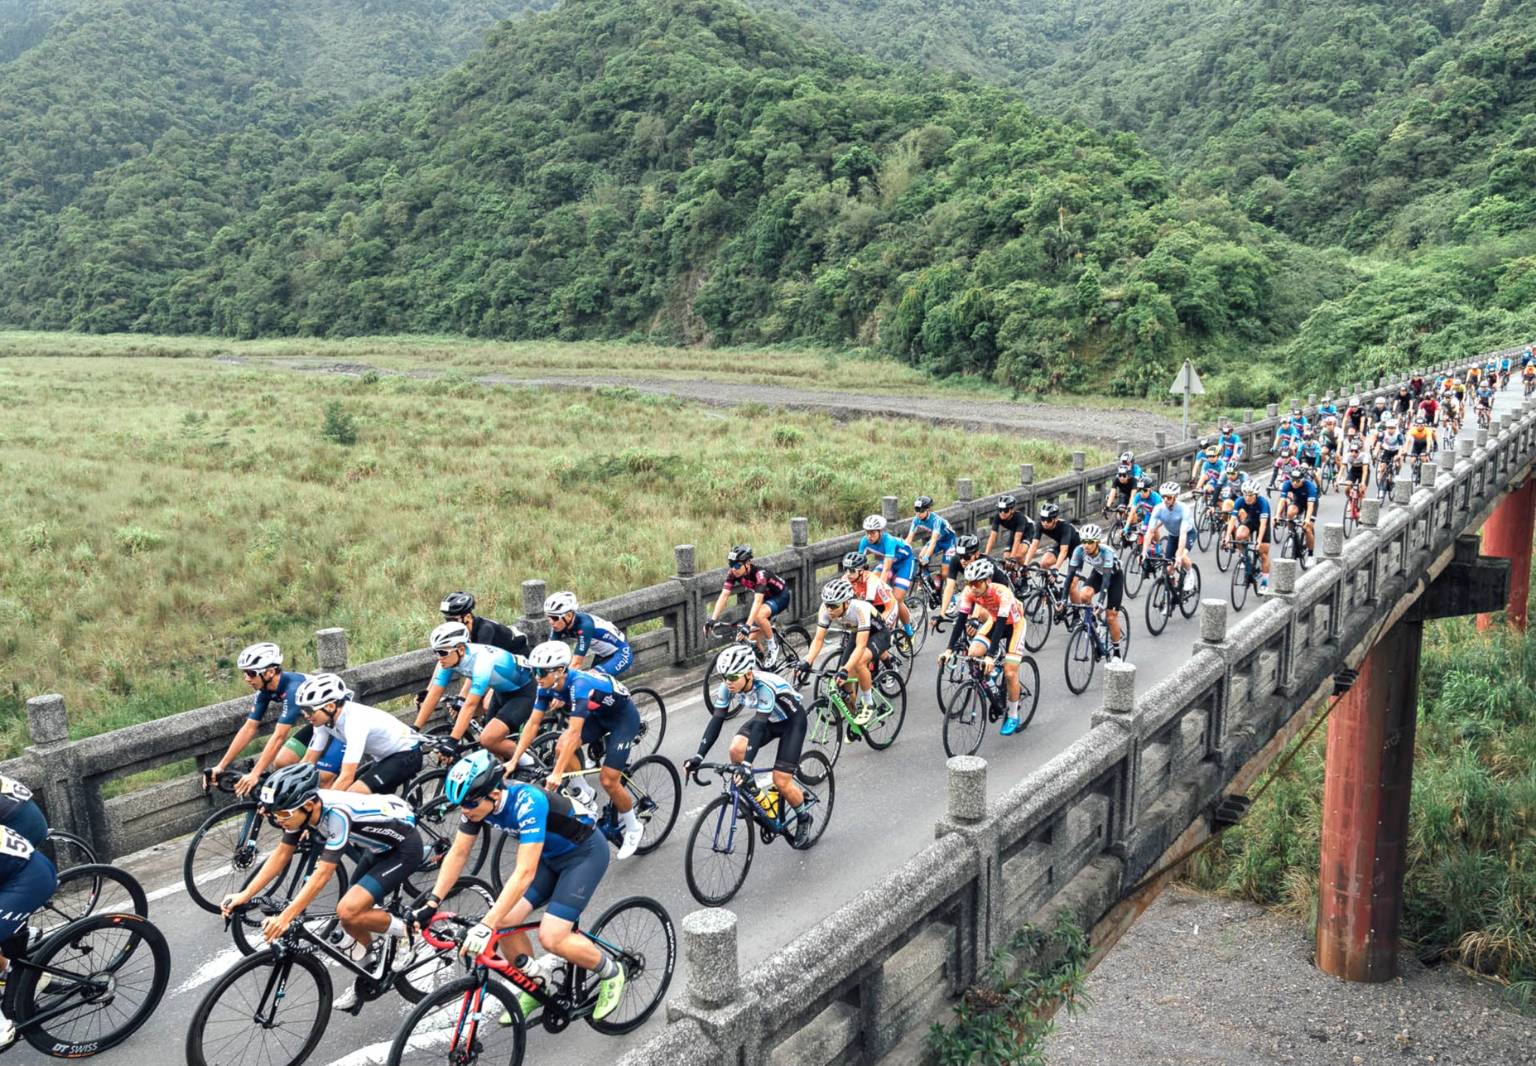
x=1143 y=502
x=871 y=639
x=1429 y=408
x=1105 y=575
x=1015 y=528
x=1528 y=376
x=20 y=813
x=1061 y=534
x=941 y=535
x=1421 y=438
x=1310 y=451
x=897 y=563
x=262 y=665
x=27 y=881
x=382 y=829
x=1504 y=368
x=1484 y=399
x=770 y=597
x=1356 y=468
x=998 y=618
x=1299 y=493
x=1379 y=412
x=1402 y=403
x=1389 y=442
x=460 y=607
x=1121 y=486
x=1354 y=416
x=1231 y=489
x=1171 y=528
x=1416 y=385
x=495 y=681
x=1250 y=523
x=1208 y=472
x=599 y=707
x=560 y=862
x=967 y=548
x=1289 y=431
x=596 y=637
x=1231 y=444
x=777 y=714
x=868 y=586
x=326 y=703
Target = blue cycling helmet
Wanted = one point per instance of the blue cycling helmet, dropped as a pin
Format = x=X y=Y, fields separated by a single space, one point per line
x=472 y=778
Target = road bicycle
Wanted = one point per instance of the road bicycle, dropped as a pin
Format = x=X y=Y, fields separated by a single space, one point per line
x=88 y=986
x=1173 y=589
x=1042 y=603
x=1352 y=495
x=1386 y=477
x=834 y=712
x=924 y=604
x=1246 y=573
x=793 y=641
x=981 y=699
x=722 y=840
x=1329 y=473
x=1416 y=467
x=1089 y=641
x=460 y=1023
x=1115 y=519
x=1291 y=539
x=271 y=1008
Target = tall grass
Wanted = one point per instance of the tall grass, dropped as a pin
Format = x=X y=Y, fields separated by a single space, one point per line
x=1470 y=893
x=158 y=514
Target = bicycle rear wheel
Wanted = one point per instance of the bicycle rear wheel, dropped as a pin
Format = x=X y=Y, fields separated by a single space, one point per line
x=657 y=792
x=1079 y=660
x=639 y=934
x=459 y=1025
x=720 y=847
x=1038 y=619
x=966 y=723
x=95 y=888
x=226 y=849
x=427 y=969
x=948 y=680
x=107 y=974
x=653 y=720
x=891 y=691
x=66 y=850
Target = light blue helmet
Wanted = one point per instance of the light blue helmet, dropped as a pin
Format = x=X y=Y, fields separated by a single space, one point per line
x=472 y=778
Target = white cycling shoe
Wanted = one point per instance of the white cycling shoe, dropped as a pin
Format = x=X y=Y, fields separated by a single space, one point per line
x=632 y=835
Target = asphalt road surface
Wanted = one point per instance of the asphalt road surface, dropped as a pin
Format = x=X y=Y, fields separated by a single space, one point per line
x=886 y=806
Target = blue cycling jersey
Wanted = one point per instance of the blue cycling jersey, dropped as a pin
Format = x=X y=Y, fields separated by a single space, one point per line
x=1311 y=450
x=287 y=689
x=1303 y=491
x=1170 y=517
x=935 y=521
x=531 y=815
x=1231 y=445
x=1146 y=502
x=15 y=853
x=762 y=698
x=596 y=636
x=885 y=547
x=1212 y=468
x=589 y=694
x=487 y=668
x=1254 y=511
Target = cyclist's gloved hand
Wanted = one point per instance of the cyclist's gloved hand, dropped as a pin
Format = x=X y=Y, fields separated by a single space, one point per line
x=692 y=764
x=208 y=775
x=477 y=939
x=423 y=912
x=802 y=673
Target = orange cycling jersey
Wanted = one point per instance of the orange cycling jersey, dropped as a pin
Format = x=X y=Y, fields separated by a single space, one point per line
x=1419 y=434
x=997 y=600
x=872 y=588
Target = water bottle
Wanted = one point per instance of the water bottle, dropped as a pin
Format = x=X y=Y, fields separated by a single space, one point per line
x=531 y=969
x=768 y=800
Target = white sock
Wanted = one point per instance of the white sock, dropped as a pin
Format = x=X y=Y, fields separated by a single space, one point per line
x=525 y=760
x=396 y=927
x=629 y=819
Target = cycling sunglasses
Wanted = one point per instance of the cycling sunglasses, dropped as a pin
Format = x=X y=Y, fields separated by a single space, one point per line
x=252 y=673
x=443 y=653
x=733 y=677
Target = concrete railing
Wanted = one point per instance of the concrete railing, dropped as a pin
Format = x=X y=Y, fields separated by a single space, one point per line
x=72 y=776
x=1076 y=835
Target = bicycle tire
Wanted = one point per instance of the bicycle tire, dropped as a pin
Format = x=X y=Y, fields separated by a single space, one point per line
x=1159 y=609
x=1241 y=572
x=948 y=679
x=216 y=844
x=245 y=927
x=653 y=719
x=820 y=783
x=84 y=890
x=824 y=728
x=464 y=999
x=1135 y=575
x=1224 y=554
x=653 y=782
x=918 y=607
x=631 y=954
x=726 y=838
x=1189 y=603
x=45 y=957
x=1079 y=650
x=1204 y=531
x=894 y=689
x=241 y=1012
x=794 y=642
x=67 y=850
x=1029 y=690
x=1039 y=618
x=471 y=898
x=966 y=727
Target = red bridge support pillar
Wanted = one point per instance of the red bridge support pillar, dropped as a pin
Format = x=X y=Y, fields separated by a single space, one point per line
x=1365 y=812
x=1507 y=535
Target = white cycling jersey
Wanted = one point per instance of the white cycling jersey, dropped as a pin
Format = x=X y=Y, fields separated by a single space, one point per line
x=366 y=730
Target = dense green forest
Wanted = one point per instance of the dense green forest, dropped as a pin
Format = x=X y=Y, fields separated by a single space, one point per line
x=1151 y=180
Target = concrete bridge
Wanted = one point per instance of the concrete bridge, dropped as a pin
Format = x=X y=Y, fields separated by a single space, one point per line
x=848 y=956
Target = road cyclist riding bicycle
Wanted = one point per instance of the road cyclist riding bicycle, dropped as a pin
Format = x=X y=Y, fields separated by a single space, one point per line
x=262 y=666
x=1143 y=501
x=997 y=632
x=1122 y=485
x=365 y=732
x=775 y=713
x=601 y=712
x=561 y=859
x=941 y=535
x=382 y=829
x=1299 y=495
x=1251 y=524
x=1055 y=539
x=595 y=637
x=460 y=607
x=1013 y=527
x=967 y=549
x=866 y=639
x=1102 y=573
x=1171 y=529
x=495 y=681
x=895 y=560
x=770 y=597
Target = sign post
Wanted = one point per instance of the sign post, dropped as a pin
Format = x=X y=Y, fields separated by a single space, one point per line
x=1188 y=383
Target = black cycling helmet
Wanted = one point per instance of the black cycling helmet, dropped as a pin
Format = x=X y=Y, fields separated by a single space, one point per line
x=1049 y=511
x=967 y=544
x=855 y=561
x=923 y=503
x=1006 y=503
x=290 y=787
x=1144 y=483
x=742 y=553
x=456 y=604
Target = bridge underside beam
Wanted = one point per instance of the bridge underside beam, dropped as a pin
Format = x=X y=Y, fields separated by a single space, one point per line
x=1507 y=535
x=1365 y=811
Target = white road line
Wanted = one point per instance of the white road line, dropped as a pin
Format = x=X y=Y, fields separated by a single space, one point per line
x=376 y=1054
x=181 y=886
x=693 y=814
x=209 y=971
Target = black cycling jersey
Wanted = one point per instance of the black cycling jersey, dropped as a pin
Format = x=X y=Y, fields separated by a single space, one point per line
x=1065 y=535
x=485 y=631
x=1018 y=523
x=955 y=570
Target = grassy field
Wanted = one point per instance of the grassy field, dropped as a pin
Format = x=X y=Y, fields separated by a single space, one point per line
x=158 y=514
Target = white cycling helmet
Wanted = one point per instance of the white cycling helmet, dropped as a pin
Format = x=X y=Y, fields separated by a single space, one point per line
x=1091 y=532
x=1169 y=488
x=737 y=659
x=563 y=602
x=551 y=655
x=980 y=570
x=836 y=591
x=261 y=656
x=321 y=689
x=1127 y=457
x=1250 y=487
x=448 y=635
x=874 y=523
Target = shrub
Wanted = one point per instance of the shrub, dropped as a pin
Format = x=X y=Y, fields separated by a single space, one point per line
x=787 y=436
x=339 y=425
x=136 y=540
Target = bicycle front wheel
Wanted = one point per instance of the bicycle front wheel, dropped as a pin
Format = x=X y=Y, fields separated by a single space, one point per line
x=1225 y=550
x=1079 y=660
x=1189 y=602
x=1038 y=619
x=949 y=679
x=890 y=710
x=106 y=974
x=639 y=934
x=1204 y=530
x=824 y=729
x=657 y=793
x=917 y=606
x=1241 y=575
x=224 y=852
x=1135 y=574
x=720 y=846
x=1029 y=688
x=1159 y=606
x=966 y=723
x=267 y=1010
x=460 y=1025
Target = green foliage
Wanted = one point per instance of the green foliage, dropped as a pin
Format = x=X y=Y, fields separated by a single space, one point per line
x=339 y=425
x=1006 y=1019
x=1470 y=893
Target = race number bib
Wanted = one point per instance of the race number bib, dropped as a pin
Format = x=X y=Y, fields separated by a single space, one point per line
x=14 y=789
x=13 y=845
